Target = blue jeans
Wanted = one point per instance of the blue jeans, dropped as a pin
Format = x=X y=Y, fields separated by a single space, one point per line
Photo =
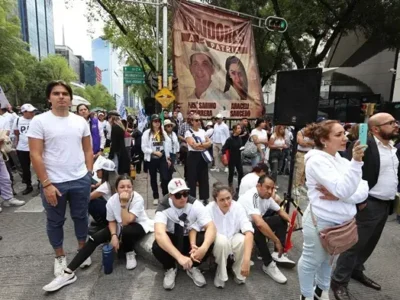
x=314 y=264
x=77 y=193
x=255 y=160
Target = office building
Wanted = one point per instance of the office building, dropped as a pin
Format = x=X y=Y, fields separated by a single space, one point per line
x=37 y=26
x=106 y=58
x=74 y=61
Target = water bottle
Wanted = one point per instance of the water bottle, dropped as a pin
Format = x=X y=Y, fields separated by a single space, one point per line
x=108 y=258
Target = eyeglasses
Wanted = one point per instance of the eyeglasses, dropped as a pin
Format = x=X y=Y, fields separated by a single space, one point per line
x=196 y=120
x=391 y=123
x=179 y=195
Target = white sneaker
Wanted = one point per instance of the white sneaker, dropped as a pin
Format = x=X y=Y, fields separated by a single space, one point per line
x=60 y=264
x=60 y=281
x=169 y=279
x=131 y=262
x=1 y=209
x=218 y=282
x=226 y=170
x=155 y=202
x=296 y=192
x=324 y=296
x=86 y=263
x=237 y=280
x=303 y=190
x=13 y=202
x=273 y=272
x=283 y=261
x=196 y=276
x=214 y=170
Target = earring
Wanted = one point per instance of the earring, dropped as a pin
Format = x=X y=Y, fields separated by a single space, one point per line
x=324 y=145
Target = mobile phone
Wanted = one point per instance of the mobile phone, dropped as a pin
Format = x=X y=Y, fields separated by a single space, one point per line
x=362 y=133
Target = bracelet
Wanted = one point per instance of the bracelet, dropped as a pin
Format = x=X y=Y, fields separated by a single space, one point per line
x=44 y=181
x=123 y=206
x=47 y=185
x=114 y=234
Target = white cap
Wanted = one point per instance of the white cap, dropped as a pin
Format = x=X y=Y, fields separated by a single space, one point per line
x=209 y=123
x=219 y=116
x=27 y=107
x=168 y=122
x=106 y=164
x=177 y=185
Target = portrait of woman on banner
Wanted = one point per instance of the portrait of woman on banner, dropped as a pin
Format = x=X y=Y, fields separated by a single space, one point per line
x=236 y=86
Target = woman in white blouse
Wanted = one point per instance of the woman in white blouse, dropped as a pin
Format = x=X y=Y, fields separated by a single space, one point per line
x=127 y=222
x=335 y=188
x=260 y=137
x=234 y=236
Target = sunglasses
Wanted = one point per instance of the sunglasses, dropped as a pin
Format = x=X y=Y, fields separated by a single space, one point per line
x=168 y=125
x=156 y=121
x=179 y=195
x=196 y=120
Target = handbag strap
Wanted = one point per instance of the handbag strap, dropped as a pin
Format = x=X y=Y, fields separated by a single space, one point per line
x=313 y=218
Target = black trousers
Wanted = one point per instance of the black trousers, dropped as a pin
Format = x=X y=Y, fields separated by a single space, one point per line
x=235 y=162
x=370 y=222
x=197 y=171
x=98 y=210
x=130 y=234
x=25 y=161
x=158 y=165
x=167 y=260
x=279 y=227
x=276 y=160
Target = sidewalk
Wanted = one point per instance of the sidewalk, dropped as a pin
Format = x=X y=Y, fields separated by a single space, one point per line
x=26 y=264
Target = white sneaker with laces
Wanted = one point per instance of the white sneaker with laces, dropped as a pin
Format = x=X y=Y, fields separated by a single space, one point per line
x=86 y=263
x=218 y=282
x=283 y=261
x=13 y=202
x=155 y=202
x=214 y=170
x=169 y=279
x=273 y=272
x=324 y=296
x=237 y=280
x=60 y=281
x=131 y=262
x=60 y=264
x=197 y=276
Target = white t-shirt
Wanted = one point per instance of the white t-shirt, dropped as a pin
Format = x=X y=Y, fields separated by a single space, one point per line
x=248 y=182
x=63 y=155
x=261 y=134
x=279 y=142
x=22 y=127
x=199 y=133
x=254 y=205
x=234 y=221
x=104 y=188
x=136 y=207
x=4 y=123
x=197 y=216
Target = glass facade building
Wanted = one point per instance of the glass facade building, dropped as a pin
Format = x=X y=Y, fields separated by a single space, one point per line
x=37 y=26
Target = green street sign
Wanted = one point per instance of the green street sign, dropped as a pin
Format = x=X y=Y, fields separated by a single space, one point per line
x=133 y=75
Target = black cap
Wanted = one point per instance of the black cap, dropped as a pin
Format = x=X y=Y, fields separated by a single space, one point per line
x=113 y=113
x=155 y=117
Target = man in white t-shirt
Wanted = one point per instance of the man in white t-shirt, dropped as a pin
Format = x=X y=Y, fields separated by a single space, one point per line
x=62 y=156
x=220 y=135
x=176 y=215
x=20 y=128
x=257 y=201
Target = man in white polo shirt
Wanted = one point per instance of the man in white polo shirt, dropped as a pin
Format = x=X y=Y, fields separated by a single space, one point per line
x=220 y=135
x=62 y=156
x=176 y=215
x=257 y=201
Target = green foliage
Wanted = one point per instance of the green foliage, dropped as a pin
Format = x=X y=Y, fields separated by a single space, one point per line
x=97 y=95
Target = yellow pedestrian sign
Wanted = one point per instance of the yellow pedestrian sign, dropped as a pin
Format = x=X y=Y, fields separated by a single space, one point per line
x=165 y=97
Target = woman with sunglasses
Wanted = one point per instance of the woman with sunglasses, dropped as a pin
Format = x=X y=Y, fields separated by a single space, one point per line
x=127 y=223
x=156 y=146
x=196 y=164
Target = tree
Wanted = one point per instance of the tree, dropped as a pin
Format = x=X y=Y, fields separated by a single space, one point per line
x=97 y=95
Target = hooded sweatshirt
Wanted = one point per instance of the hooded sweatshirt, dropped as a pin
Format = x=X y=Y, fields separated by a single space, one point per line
x=340 y=177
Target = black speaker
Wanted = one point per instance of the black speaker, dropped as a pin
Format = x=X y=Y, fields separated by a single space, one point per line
x=297 y=97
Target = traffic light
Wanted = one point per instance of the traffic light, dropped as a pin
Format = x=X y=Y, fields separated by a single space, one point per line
x=174 y=83
x=170 y=83
x=276 y=24
x=160 y=82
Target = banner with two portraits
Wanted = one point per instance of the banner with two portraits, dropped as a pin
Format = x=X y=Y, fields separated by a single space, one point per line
x=215 y=63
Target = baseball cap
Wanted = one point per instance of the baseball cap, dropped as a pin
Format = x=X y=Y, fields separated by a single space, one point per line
x=210 y=123
x=177 y=185
x=155 y=117
x=106 y=164
x=27 y=107
x=219 y=116
x=100 y=114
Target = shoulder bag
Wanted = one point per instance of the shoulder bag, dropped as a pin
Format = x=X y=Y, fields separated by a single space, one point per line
x=337 y=239
x=205 y=154
x=250 y=149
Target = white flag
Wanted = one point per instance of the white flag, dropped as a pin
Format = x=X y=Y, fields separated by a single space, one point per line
x=3 y=99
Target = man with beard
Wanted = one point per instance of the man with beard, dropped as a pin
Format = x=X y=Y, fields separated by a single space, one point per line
x=381 y=170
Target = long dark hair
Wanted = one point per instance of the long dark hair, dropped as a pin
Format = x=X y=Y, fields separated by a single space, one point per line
x=234 y=60
x=110 y=177
x=152 y=130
